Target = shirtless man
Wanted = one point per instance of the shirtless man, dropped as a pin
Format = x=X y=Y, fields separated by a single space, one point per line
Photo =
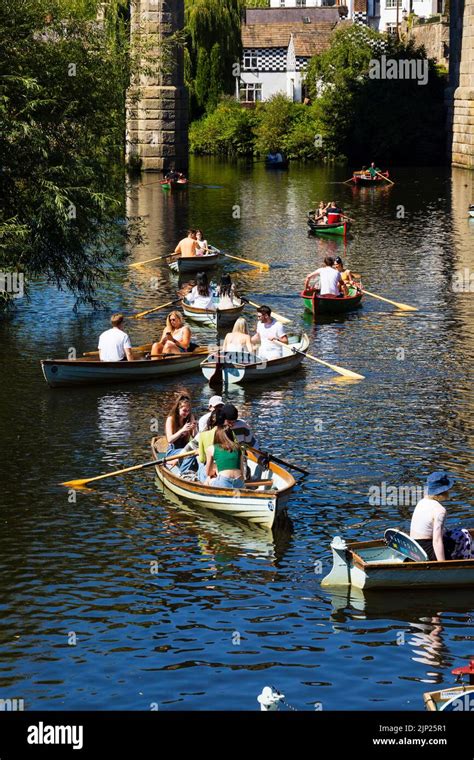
x=188 y=246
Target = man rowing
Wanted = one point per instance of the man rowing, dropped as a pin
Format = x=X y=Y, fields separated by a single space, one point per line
x=188 y=246
x=330 y=280
x=270 y=333
x=114 y=344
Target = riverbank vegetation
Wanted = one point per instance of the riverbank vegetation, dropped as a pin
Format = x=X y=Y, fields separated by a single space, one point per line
x=355 y=111
x=62 y=108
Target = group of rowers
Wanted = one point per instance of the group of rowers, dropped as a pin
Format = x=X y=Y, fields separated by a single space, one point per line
x=214 y=441
x=332 y=279
x=329 y=213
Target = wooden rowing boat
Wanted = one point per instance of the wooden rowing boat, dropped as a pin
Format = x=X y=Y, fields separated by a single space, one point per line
x=240 y=367
x=373 y=564
x=337 y=228
x=331 y=304
x=195 y=263
x=216 y=317
x=459 y=698
x=262 y=505
x=87 y=370
x=364 y=179
x=174 y=184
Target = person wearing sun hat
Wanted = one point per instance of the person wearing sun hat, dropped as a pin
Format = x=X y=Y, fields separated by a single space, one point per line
x=427 y=522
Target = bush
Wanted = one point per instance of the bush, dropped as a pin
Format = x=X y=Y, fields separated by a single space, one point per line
x=226 y=131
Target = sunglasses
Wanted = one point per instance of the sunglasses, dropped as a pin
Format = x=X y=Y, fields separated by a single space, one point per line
x=184 y=398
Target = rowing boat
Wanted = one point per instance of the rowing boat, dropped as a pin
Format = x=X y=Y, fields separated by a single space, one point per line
x=365 y=179
x=87 y=370
x=241 y=367
x=459 y=698
x=374 y=564
x=195 y=263
x=262 y=505
x=174 y=184
x=331 y=304
x=216 y=317
x=336 y=228
x=277 y=165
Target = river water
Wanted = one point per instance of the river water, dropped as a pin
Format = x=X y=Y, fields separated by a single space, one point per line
x=120 y=598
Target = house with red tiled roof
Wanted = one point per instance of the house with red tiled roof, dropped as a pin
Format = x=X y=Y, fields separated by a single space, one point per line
x=277 y=45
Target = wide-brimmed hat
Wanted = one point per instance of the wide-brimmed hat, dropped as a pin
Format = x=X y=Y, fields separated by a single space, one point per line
x=438 y=482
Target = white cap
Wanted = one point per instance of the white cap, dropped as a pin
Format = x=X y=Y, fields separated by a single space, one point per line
x=215 y=401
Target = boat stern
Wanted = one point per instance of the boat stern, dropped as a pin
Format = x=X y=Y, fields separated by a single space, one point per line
x=340 y=574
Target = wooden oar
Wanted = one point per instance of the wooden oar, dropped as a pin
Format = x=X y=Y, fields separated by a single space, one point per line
x=157 y=308
x=384 y=177
x=272 y=458
x=278 y=317
x=348 y=180
x=258 y=264
x=146 y=347
x=83 y=481
x=334 y=367
x=401 y=306
x=156 y=258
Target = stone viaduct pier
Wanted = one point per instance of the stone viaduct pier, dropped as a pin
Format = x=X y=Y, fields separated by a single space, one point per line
x=460 y=94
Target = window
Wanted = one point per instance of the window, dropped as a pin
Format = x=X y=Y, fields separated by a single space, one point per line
x=282 y=3
x=251 y=61
x=392 y=4
x=391 y=28
x=250 y=92
x=300 y=3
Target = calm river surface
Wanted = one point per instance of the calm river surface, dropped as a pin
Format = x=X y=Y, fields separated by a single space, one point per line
x=85 y=624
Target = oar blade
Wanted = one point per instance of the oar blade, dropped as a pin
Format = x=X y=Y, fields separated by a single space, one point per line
x=347 y=372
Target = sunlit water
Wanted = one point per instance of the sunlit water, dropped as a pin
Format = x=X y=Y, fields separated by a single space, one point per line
x=124 y=599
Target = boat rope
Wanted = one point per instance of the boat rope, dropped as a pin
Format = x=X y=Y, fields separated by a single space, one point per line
x=283 y=700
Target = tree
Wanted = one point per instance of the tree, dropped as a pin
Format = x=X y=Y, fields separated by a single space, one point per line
x=62 y=108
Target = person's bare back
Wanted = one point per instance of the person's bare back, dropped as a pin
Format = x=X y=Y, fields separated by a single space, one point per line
x=187 y=247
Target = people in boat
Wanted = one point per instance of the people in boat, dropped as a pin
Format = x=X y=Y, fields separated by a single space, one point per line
x=274 y=157
x=180 y=428
x=240 y=429
x=225 y=457
x=320 y=214
x=428 y=523
x=269 y=332
x=201 y=295
x=173 y=175
x=226 y=416
x=334 y=214
x=203 y=246
x=215 y=402
x=238 y=342
x=330 y=280
x=175 y=339
x=188 y=246
x=225 y=292
x=114 y=344
x=346 y=274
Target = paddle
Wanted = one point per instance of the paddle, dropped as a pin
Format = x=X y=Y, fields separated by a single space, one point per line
x=401 y=306
x=83 y=481
x=348 y=180
x=384 y=177
x=257 y=264
x=278 y=317
x=334 y=367
x=156 y=258
x=157 y=308
x=276 y=459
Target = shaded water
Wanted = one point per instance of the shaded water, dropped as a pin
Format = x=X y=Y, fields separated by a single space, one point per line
x=86 y=623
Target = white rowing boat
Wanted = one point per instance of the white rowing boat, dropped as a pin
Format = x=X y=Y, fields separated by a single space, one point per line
x=241 y=367
x=374 y=564
x=459 y=698
x=88 y=370
x=195 y=263
x=216 y=317
x=261 y=505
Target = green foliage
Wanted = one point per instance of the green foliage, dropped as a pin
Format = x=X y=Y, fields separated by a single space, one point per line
x=227 y=131
x=257 y=3
x=201 y=83
x=62 y=92
x=210 y=23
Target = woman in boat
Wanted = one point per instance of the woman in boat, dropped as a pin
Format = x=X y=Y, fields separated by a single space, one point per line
x=226 y=458
x=428 y=523
x=180 y=428
x=346 y=274
x=201 y=296
x=238 y=341
x=225 y=291
x=203 y=246
x=330 y=281
x=175 y=339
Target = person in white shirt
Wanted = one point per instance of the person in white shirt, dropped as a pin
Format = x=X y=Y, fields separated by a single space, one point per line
x=269 y=331
x=330 y=280
x=201 y=295
x=114 y=344
x=203 y=246
x=427 y=522
x=214 y=403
